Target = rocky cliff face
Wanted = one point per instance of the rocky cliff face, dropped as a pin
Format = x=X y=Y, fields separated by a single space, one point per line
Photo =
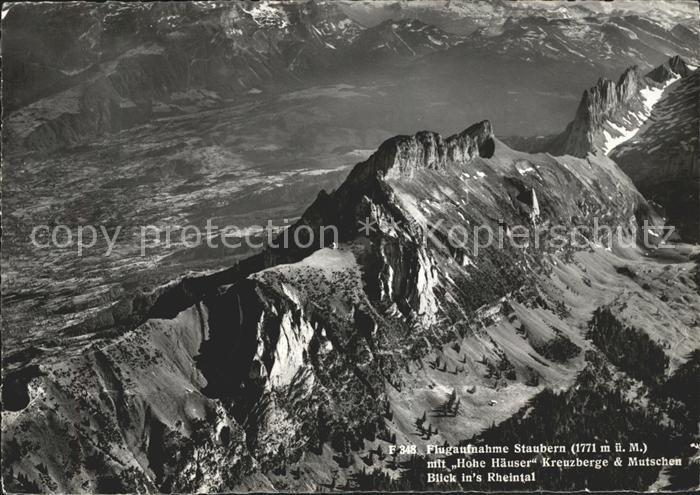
x=283 y=371
x=675 y=67
x=662 y=158
x=610 y=113
x=605 y=104
x=647 y=124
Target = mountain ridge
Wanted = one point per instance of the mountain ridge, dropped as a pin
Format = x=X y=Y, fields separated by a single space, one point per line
x=178 y=58
x=662 y=158
x=609 y=109
x=610 y=112
x=639 y=116
x=220 y=381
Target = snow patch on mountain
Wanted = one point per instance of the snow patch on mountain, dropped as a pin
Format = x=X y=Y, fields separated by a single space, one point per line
x=652 y=95
x=524 y=167
x=433 y=40
x=611 y=141
x=265 y=15
x=618 y=134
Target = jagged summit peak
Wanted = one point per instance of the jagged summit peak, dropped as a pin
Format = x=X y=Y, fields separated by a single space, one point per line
x=629 y=82
x=671 y=69
x=600 y=99
x=610 y=112
x=401 y=155
x=679 y=66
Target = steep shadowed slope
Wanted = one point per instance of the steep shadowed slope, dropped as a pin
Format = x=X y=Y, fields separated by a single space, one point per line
x=662 y=157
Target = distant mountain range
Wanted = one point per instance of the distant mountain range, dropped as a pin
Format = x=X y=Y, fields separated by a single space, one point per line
x=128 y=64
x=465 y=16
x=403 y=38
x=604 y=41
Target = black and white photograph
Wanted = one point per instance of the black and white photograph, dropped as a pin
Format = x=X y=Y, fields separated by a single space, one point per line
x=316 y=246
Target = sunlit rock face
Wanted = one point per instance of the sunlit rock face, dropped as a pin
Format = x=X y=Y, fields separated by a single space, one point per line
x=402 y=155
